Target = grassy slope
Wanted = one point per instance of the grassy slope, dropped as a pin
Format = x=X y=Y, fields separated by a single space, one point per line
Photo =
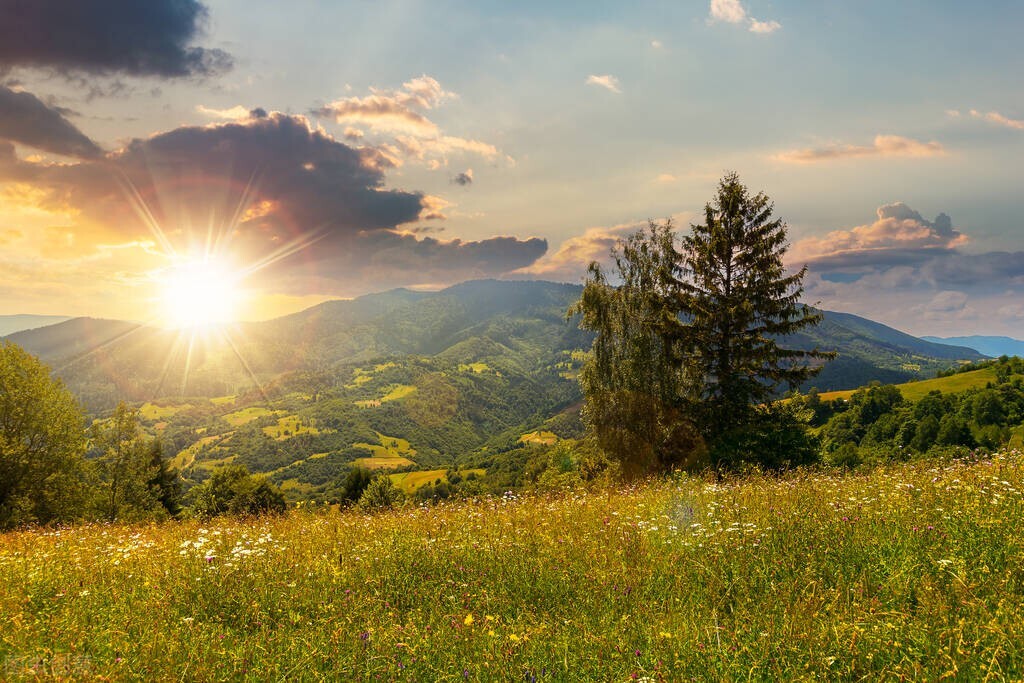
x=915 y=391
x=909 y=572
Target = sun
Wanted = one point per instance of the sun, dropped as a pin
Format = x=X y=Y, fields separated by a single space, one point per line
x=200 y=293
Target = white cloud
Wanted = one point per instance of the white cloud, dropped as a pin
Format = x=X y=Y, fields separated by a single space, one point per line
x=606 y=81
x=998 y=119
x=733 y=12
x=729 y=11
x=770 y=26
x=657 y=44
x=236 y=113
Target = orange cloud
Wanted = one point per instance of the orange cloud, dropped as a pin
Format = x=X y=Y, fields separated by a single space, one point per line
x=883 y=146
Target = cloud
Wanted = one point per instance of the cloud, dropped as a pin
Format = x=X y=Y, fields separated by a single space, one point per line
x=606 y=81
x=998 y=119
x=665 y=178
x=24 y=119
x=729 y=11
x=569 y=263
x=657 y=44
x=883 y=146
x=733 y=12
x=899 y=236
x=151 y=38
x=236 y=113
x=764 y=26
x=398 y=116
x=277 y=191
x=465 y=178
x=912 y=273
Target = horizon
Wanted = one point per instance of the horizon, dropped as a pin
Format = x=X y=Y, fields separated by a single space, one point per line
x=419 y=146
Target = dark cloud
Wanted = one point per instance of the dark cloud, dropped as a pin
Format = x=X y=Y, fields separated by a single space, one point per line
x=465 y=178
x=142 y=38
x=26 y=120
x=273 y=186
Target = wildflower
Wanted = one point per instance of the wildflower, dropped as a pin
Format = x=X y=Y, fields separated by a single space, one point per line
x=469 y=620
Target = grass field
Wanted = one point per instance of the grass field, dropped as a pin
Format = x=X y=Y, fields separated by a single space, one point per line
x=154 y=412
x=389 y=453
x=539 y=437
x=290 y=426
x=247 y=415
x=395 y=392
x=911 y=572
x=915 y=391
x=474 y=367
x=410 y=481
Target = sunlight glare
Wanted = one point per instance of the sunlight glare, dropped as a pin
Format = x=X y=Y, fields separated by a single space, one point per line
x=200 y=293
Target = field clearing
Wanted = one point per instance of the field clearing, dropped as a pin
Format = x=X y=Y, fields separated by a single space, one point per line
x=223 y=400
x=539 y=437
x=247 y=415
x=154 y=412
x=187 y=456
x=476 y=368
x=410 y=481
x=915 y=391
x=395 y=393
x=291 y=426
x=390 y=453
x=908 y=572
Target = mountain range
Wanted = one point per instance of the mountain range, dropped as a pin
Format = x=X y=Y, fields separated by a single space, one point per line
x=990 y=346
x=522 y=323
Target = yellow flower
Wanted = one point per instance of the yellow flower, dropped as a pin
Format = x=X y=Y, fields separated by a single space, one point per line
x=469 y=620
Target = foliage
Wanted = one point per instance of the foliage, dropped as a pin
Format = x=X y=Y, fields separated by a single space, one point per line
x=128 y=465
x=687 y=346
x=907 y=572
x=356 y=481
x=739 y=301
x=42 y=440
x=380 y=494
x=232 y=490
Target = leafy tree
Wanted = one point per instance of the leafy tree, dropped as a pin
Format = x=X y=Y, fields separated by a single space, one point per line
x=635 y=380
x=381 y=494
x=356 y=481
x=124 y=461
x=42 y=441
x=231 y=489
x=739 y=300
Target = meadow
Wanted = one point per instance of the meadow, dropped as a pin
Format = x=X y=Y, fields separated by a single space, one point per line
x=912 y=571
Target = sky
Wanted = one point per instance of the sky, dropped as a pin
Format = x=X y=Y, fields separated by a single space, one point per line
x=321 y=150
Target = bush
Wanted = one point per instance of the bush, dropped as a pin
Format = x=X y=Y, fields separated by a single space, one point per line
x=381 y=494
x=231 y=489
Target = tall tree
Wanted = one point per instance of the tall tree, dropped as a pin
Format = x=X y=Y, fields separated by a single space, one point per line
x=42 y=442
x=125 y=464
x=635 y=381
x=686 y=355
x=739 y=300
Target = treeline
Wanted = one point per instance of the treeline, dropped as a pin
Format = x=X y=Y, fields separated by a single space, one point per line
x=53 y=468
x=878 y=424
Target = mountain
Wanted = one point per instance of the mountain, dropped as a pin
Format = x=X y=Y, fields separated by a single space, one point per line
x=990 y=346
x=9 y=324
x=522 y=324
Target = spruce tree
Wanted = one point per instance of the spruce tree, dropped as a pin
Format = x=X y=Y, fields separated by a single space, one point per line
x=738 y=301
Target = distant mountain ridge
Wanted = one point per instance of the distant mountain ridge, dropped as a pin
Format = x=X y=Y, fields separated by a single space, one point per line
x=994 y=346
x=523 y=321
x=9 y=324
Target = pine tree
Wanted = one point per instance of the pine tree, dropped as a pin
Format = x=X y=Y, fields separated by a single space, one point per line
x=739 y=300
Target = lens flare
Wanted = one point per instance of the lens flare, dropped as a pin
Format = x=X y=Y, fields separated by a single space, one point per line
x=200 y=293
